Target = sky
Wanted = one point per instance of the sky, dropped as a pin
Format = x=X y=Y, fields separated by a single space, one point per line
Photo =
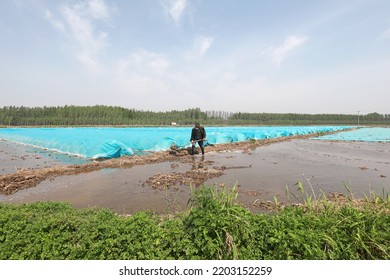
x=275 y=56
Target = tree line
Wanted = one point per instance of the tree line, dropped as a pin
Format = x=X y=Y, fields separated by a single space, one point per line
x=115 y=115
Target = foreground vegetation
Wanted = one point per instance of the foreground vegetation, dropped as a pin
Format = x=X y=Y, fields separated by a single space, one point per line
x=213 y=227
x=109 y=115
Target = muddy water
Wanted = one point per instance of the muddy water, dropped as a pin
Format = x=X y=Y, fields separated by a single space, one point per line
x=260 y=174
x=121 y=190
x=14 y=157
x=323 y=166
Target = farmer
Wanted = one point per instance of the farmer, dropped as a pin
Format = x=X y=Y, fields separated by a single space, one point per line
x=198 y=135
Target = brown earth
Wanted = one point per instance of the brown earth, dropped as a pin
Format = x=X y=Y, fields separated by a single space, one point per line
x=163 y=182
x=28 y=177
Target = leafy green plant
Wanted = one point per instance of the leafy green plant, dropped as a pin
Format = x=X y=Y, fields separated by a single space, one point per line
x=216 y=224
x=213 y=227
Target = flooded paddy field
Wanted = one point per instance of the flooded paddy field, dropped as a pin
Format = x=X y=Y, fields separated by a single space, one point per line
x=261 y=173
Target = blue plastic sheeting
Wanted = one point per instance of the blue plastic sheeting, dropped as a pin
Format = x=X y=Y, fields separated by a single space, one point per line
x=108 y=142
x=367 y=134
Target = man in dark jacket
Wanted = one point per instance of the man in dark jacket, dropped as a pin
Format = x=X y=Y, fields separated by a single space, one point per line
x=198 y=135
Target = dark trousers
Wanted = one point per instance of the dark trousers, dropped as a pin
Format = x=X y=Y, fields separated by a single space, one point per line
x=200 y=143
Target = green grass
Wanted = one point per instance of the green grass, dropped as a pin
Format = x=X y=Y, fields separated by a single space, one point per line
x=213 y=227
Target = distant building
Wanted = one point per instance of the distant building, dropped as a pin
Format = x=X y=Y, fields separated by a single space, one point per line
x=173 y=123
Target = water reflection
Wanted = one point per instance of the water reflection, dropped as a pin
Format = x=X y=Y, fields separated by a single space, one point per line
x=197 y=164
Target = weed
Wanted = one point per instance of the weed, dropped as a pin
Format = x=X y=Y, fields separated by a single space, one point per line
x=213 y=227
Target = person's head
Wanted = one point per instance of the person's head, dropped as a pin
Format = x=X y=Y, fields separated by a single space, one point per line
x=197 y=124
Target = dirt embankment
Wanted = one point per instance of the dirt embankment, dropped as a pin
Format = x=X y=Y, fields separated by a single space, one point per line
x=27 y=178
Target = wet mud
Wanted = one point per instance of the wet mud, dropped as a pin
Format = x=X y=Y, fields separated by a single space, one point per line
x=30 y=177
x=162 y=181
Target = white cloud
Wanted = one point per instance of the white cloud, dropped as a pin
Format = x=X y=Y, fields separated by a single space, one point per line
x=79 y=19
x=143 y=76
x=279 y=54
x=81 y=29
x=90 y=62
x=144 y=61
x=98 y=9
x=200 y=47
x=79 y=22
x=140 y=86
x=58 y=24
x=175 y=9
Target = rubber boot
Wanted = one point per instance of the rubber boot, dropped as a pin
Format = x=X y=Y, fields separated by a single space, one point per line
x=193 y=150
